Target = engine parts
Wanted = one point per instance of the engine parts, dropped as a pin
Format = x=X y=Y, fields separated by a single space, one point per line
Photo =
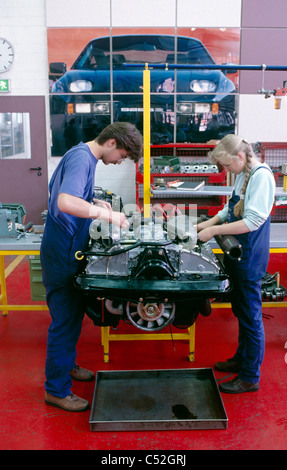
x=152 y=275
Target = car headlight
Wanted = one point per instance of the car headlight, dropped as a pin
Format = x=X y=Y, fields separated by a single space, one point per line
x=184 y=108
x=81 y=85
x=96 y=108
x=83 y=108
x=202 y=86
x=101 y=108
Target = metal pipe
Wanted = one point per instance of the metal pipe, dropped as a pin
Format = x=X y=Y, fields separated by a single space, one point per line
x=210 y=66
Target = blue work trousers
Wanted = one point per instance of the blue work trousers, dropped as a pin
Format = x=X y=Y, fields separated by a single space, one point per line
x=247 y=307
x=65 y=302
x=66 y=308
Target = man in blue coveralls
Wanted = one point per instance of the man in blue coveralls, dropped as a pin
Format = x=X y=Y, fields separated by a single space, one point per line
x=71 y=208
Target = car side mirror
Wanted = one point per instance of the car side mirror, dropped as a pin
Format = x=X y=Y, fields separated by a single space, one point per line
x=58 y=68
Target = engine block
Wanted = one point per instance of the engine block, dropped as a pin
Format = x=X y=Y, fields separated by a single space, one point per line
x=154 y=273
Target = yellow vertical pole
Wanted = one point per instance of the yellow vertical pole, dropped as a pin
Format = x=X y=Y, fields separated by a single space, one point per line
x=146 y=141
x=3 y=294
x=191 y=332
x=105 y=335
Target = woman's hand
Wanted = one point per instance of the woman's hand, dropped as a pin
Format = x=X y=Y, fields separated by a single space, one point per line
x=208 y=228
x=202 y=226
x=206 y=234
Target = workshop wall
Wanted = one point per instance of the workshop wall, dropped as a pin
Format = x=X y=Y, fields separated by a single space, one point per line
x=261 y=25
x=23 y=23
x=263 y=32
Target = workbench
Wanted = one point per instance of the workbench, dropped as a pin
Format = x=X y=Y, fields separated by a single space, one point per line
x=28 y=244
x=205 y=190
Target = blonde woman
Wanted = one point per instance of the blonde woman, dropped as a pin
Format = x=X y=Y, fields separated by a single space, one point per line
x=247 y=217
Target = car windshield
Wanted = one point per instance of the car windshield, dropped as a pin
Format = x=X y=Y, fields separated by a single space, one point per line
x=140 y=49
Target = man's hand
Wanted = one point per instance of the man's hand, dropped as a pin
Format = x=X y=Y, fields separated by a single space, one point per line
x=101 y=203
x=119 y=219
x=83 y=209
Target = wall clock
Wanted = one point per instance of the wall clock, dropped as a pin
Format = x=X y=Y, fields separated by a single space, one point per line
x=6 y=55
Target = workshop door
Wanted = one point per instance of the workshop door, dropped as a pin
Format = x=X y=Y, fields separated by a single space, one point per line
x=23 y=154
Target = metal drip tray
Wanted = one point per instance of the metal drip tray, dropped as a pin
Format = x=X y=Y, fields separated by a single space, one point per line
x=157 y=400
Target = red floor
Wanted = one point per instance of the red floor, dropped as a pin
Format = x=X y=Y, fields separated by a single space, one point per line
x=255 y=420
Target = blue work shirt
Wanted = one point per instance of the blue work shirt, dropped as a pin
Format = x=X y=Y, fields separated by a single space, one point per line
x=66 y=234
x=75 y=175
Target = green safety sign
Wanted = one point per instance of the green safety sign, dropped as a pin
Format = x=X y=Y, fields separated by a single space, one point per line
x=4 y=85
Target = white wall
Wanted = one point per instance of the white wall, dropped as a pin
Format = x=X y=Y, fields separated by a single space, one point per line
x=195 y=13
x=23 y=23
x=259 y=121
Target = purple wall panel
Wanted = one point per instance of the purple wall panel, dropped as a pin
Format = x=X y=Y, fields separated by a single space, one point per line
x=264 y=14
x=263 y=40
x=262 y=46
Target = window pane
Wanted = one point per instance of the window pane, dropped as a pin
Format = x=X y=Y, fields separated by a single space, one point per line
x=15 y=135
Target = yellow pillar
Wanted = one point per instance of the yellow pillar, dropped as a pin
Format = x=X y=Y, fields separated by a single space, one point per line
x=3 y=293
x=146 y=140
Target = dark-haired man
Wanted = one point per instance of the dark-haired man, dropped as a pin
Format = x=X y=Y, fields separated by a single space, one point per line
x=71 y=208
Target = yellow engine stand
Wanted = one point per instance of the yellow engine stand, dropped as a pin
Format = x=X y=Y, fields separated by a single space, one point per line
x=107 y=336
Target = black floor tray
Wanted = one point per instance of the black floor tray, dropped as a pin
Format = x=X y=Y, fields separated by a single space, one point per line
x=157 y=400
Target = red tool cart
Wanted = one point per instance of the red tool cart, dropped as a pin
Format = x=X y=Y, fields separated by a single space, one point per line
x=187 y=162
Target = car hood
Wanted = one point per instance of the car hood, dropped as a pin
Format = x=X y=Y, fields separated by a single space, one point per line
x=131 y=80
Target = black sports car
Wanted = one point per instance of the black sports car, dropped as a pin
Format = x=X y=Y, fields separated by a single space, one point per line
x=104 y=85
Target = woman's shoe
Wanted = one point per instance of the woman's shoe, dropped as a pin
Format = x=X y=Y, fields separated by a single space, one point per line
x=228 y=366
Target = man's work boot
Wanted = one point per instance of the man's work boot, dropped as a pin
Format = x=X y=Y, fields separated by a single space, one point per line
x=69 y=403
x=84 y=375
